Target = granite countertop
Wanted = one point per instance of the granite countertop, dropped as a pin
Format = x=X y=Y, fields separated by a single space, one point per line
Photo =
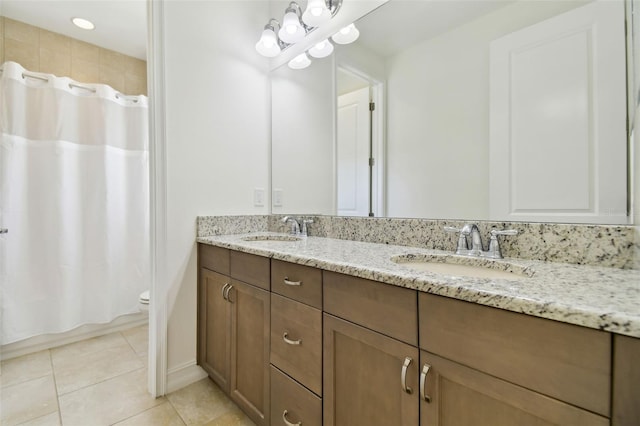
x=596 y=297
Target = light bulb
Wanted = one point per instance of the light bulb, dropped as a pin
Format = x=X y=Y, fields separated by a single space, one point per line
x=316 y=14
x=346 y=35
x=291 y=31
x=268 y=43
x=299 y=62
x=322 y=49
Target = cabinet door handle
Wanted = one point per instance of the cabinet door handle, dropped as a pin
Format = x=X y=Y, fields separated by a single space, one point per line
x=224 y=291
x=289 y=341
x=292 y=283
x=403 y=375
x=423 y=383
x=287 y=422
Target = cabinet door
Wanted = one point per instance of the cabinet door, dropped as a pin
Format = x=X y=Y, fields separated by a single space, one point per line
x=363 y=377
x=626 y=381
x=214 y=327
x=461 y=396
x=250 y=330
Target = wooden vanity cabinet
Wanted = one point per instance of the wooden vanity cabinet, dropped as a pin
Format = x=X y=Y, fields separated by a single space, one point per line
x=376 y=354
x=490 y=366
x=234 y=327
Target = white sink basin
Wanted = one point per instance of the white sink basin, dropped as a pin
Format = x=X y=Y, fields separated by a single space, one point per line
x=271 y=238
x=462 y=266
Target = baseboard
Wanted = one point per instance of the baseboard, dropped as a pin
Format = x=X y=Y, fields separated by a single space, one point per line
x=48 y=341
x=183 y=375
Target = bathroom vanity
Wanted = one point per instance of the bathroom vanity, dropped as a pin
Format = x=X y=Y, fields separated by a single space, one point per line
x=319 y=331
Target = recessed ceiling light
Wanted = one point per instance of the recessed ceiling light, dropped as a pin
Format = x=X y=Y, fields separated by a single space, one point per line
x=83 y=23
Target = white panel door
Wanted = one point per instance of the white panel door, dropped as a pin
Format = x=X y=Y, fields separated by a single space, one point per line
x=558 y=129
x=353 y=153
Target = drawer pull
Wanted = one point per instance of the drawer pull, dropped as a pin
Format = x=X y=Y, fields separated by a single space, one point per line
x=292 y=283
x=226 y=293
x=403 y=376
x=224 y=289
x=423 y=383
x=287 y=422
x=289 y=341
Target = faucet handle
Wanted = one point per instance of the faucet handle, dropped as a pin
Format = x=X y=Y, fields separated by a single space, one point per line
x=494 y=251
x=305 y=230
x=462 y=239
x=495 y=232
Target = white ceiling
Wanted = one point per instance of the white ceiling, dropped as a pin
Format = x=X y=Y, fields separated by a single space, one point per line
x=402 y=23
x=121 y=25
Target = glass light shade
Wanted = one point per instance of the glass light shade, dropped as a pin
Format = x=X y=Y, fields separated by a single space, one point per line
x=322 y=49
x=268 y=44
x=316 y=14
x=347 y=35
x=299 y=62
x=291 y=31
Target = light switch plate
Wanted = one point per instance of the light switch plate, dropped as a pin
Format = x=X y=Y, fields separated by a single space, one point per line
x=258 y=197
x=277 y=197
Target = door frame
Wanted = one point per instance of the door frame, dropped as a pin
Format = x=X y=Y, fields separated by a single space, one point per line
x=376 y=95
x=158 y=317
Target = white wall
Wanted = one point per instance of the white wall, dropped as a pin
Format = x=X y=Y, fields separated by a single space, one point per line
x=438 y=116
x=218 y=133
x=303 y=137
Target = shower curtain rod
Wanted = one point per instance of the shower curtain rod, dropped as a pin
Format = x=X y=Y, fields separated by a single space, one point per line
x=119 y=95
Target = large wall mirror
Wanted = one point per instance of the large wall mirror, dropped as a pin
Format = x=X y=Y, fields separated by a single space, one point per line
x=483 y=110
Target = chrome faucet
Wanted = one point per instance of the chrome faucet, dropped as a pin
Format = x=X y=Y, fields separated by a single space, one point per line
x=296 y=229
x=471 y=231
x=295 y=225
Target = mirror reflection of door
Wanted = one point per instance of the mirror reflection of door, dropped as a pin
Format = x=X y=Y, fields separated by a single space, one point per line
x=356 y=143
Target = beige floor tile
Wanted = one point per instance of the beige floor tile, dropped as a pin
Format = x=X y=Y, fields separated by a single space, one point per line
x=201 y=402
x=138 y=338
x=162 y=415
x=27 y=401
x=108 y=402
x=24 y=368
x=52 y=419
x=73 y=372
x=84 y=347
x=232 y=418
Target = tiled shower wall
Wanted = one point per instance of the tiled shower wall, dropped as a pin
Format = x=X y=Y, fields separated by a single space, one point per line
x=39 y=50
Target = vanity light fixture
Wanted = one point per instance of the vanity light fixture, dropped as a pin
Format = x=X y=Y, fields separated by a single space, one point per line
x=322 y=49
x=300 y=62
x=269 y=45
x=295 y=25
x=347 y=35
x=85 y=24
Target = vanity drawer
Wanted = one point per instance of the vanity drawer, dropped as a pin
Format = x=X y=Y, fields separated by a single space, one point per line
x=300 y=405
x=301 y=323
x=298 y=282
x=564 y=361
x=251 y=269
x=381 y=307
x=214 y=258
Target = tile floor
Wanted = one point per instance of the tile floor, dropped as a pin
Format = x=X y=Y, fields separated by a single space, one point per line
x=103 y=381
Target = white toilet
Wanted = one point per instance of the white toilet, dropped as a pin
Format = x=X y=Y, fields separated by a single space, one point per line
x=143 y=301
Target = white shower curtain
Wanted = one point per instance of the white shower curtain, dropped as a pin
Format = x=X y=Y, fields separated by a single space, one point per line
x=74 y=194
